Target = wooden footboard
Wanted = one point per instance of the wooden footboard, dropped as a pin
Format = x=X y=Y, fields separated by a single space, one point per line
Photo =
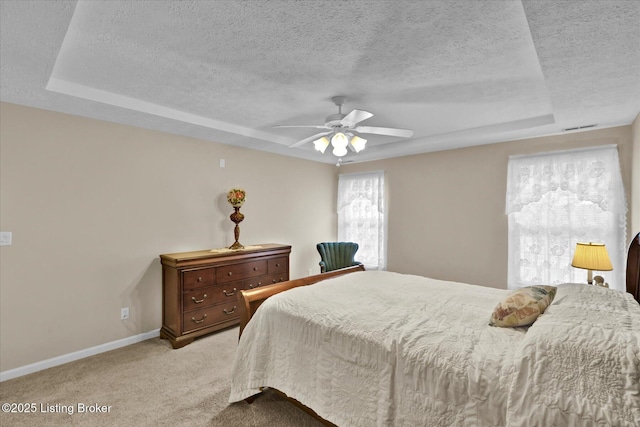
x=249 y=300
x=633 y=268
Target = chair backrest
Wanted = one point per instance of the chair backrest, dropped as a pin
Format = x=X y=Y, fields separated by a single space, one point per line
x=336 y=255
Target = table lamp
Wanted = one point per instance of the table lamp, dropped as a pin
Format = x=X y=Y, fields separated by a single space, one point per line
x=591 y=256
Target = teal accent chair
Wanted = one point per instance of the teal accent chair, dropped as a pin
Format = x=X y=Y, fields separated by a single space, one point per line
x=336 y=255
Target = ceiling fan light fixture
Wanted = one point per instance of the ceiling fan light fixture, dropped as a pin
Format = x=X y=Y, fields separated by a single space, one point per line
x=321 y=144
x=340 y=129
x=339 y=151
x=358 y=143
x=339 y=140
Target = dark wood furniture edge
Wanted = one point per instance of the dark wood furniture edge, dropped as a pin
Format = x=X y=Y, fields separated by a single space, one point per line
x=186 y=259
x=182 y=340
x=633 y=268
x=301 y=406
x=249 y=300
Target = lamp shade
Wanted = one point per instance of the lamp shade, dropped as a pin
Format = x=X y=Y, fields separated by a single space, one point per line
x=591 y=256
x=321 y=144
x=340 y=151
x=339 y=140
x=358 y=143
x=236 y=197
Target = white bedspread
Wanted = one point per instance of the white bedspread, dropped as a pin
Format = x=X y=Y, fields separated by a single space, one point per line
x=380 y=348
x=579 y=364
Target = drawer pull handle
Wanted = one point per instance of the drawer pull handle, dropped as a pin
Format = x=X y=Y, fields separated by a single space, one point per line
x=277 y=264
x=198 y=301
x=230 y=273
x=251 y=286
x=274 y=281
x=199 y=279
x=204 y=316
x=229 y=294
x=255 y=268
x=228 y=312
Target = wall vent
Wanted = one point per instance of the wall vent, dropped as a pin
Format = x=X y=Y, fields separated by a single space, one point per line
x=580 y=127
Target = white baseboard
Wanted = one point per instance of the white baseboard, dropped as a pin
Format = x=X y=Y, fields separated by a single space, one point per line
x=76 y=355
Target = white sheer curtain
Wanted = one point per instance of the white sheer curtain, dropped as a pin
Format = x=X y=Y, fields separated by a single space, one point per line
x=361 y=216
x=557 y=199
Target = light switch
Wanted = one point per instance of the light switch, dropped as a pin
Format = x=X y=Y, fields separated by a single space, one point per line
x=5 y=238
x=222 y=163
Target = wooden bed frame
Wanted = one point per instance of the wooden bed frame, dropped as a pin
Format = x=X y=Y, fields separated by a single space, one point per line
x=633 y=268
x=249 y=300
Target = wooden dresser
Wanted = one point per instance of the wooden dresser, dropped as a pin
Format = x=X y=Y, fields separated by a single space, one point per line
x=199 y=289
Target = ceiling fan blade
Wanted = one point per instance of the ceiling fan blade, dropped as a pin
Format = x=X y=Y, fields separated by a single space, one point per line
x=354 y=117
x=309 y=139
x=303 y=126
x=402 y=133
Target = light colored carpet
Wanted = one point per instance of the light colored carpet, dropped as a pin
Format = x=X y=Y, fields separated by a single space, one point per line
x=148 y=384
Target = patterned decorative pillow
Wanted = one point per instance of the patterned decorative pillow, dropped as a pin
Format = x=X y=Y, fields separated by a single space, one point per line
x=523 y=306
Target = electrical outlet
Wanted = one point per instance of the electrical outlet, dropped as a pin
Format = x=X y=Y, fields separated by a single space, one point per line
x=124 y=313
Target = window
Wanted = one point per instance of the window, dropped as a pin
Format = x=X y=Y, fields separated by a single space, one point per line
x=557 y=199
x=361 y=217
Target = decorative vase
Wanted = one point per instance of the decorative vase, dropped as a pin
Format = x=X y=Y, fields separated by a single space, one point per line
x=236 y=197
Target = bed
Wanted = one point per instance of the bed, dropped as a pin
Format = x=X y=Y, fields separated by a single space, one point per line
x=376 y=348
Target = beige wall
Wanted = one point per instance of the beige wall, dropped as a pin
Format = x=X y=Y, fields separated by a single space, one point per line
x=446 y=209
x=92 y=204
x=635 y=178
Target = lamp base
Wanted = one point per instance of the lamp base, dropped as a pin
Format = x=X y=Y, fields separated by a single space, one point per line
x=599 y=281
x=236 y=246
x=237 y=218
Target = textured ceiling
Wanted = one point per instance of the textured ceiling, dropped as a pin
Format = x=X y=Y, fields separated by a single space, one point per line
x=459 y=73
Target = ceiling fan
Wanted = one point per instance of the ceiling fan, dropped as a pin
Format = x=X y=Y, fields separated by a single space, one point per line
x=343 y=129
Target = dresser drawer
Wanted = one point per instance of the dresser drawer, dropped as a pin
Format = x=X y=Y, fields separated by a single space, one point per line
x=227 y=292
x=192 y=279
x=204 y=297
x=275 y=278
x=209 y=316
x=199 y=298
x=255 y=282
x=277 y=265
x=233 y=272
x=265 y=280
